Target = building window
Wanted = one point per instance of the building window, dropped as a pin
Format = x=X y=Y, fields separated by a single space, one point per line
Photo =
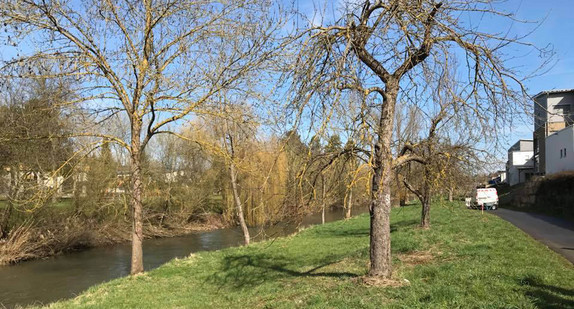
x=561 y=154
x=564 y=152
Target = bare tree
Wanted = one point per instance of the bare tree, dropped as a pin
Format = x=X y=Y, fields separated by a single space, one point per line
x=231 y=133
x=444 y=138
x=391 y=42
x=153 y=61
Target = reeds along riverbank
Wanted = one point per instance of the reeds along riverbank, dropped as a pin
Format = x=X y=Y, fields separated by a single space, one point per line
x=42 y=239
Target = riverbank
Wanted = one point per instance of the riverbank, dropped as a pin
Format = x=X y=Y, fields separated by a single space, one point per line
x=465 y=260
x=42 y=240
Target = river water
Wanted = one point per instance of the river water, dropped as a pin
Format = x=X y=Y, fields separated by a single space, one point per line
x=65 y=276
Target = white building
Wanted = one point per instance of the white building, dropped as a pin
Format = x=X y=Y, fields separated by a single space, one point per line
x=560 y=151
x=503 y=176
x=497 y=178
x=553 y=111
x=520 y=164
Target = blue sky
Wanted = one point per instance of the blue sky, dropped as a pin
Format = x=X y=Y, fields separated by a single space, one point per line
x=556 y=29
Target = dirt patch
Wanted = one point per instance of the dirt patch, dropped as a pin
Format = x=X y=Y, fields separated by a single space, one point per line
x=417 y=257
x=382 y=282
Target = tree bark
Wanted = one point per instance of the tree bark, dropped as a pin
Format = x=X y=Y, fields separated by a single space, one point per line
x=400 y=191
x=425 y=214
x=238 y=204
x=450 y=194
x=426 y=198
x=349 y=204
x=323 y=199
x=136 y=201
x=380 y=206
x=380 y=241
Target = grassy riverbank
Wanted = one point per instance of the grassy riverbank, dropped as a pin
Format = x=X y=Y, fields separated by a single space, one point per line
x=466 y=260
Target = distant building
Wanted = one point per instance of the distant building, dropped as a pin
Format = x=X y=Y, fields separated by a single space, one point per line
x=553 y=111
x=497 y=178
x=31 y=179
x=520 y=164
x=560 y=151
x=502 y=176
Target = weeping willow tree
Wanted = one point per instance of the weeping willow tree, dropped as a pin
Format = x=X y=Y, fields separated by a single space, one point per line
x=390 y=43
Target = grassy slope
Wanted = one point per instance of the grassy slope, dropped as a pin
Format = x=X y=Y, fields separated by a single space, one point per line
x=466 y=260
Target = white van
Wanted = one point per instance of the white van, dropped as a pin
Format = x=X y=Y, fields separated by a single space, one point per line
x=483 y=198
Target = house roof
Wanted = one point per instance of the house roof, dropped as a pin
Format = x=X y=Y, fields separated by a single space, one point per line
x=516 y=145
x=552 y=92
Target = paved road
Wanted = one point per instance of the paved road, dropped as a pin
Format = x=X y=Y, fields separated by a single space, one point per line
x=557 y=234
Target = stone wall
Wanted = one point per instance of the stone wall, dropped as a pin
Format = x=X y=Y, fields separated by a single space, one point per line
x=553 y=195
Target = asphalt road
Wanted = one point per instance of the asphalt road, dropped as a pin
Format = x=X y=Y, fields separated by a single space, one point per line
x=556 y=233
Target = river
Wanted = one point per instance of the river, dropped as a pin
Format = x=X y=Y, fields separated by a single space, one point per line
x=65 y=276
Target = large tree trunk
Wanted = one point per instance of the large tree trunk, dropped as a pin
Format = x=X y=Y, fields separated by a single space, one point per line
x=238 y=204
x=349 y=204
x=380 y=206
x=136 y=201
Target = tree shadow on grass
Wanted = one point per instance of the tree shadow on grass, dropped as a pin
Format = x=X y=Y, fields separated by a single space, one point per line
x=241 y=271
x=547 y=296
x=404 y=223
x=362 y=232
x=357 y=232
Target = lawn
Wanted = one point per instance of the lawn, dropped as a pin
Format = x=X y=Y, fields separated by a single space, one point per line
x=466 y=260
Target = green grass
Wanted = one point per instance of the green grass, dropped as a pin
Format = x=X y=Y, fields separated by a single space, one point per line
x=465 y=260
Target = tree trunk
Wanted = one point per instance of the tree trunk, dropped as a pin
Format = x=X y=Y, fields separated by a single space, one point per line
x=53 y=173
x=349 y=204
x=450 y=194
x=5 y=220
x=323 y=199
x=380 y=206
x=425 y=215
x=76 y=194
x=13 y=191
x=401 y=192
x=238 y=204
x=426 y=199
x=136 y=202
